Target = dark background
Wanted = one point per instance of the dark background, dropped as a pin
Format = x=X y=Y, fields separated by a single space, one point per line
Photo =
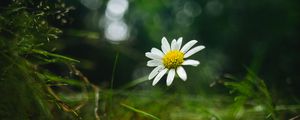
x=262 y=35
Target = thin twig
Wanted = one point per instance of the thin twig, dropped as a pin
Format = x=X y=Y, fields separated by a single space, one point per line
x=68 y=108
x=95 y=88
x=295 y=118
x=96 y=103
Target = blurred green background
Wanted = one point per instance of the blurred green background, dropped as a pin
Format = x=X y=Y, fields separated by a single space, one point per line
x=261 y=35
x=252 y=51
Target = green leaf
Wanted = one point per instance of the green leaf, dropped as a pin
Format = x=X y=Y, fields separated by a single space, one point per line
x=135 y=82
x=58 y=79
x=140 y=111
x=60 y=57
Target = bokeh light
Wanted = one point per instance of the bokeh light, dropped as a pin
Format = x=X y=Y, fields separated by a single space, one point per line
x=116 y=31
x=116 y=8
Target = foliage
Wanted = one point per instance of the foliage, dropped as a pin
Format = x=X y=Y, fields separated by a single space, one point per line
x=251 y=92
x=27 y=86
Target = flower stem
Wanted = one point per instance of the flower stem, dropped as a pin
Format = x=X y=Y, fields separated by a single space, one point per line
x=112 y=83
x=114 y=70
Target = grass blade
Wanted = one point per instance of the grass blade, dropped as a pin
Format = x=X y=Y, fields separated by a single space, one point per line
x=63 y=58
x=140 y=111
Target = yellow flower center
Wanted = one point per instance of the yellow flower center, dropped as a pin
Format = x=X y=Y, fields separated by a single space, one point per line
x=173 y=59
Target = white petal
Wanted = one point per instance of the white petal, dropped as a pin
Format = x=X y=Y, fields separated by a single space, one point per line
x=159 y=76
x=157 y=52
x=188 y=45
x=193 y=51
x=191 y=62
x=165 y=46
x=173 y=44
x=152 y=56
x=154 y=63
x=155 y=71
x=181 y=73
x=179 y=42
x=170 y=77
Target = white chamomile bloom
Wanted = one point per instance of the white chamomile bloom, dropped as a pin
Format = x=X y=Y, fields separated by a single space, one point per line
x=171 y=59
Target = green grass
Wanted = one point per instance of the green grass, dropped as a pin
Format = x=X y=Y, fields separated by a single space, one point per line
x=31 y=91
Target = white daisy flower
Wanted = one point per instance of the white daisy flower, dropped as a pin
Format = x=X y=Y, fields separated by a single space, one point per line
x=171 y=59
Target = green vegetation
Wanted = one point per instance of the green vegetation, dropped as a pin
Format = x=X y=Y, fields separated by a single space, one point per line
x=108 y=80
